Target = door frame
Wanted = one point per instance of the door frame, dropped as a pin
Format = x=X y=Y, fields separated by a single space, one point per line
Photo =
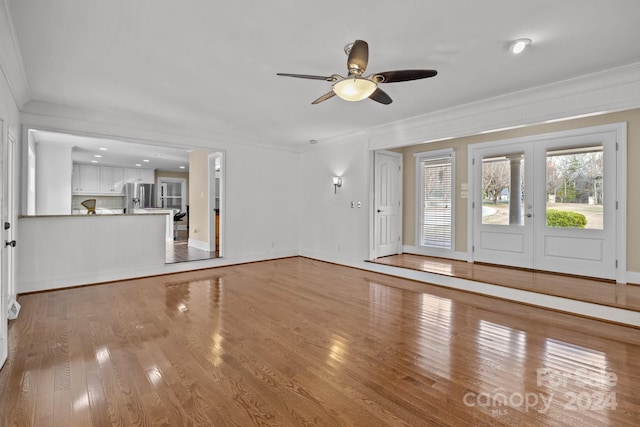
x=373 y=247
x=213 y=194
x=7 y=214
x=620 y=130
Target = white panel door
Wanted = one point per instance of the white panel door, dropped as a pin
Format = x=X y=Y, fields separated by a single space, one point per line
x=589 y=164
x=503 y=218
x=563 y=218
x=387 y=191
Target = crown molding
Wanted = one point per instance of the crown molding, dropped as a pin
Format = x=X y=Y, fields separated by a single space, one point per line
x=608 y=91
x=11 y=63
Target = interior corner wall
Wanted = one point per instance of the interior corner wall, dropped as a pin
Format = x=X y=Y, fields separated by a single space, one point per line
x=199 y=196
x=631 y=117
x=260 y=206
x=53 y=180
x=330 y=229
x=9 y=113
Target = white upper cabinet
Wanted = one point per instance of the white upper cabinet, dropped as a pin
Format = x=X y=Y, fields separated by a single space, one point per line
x=85 y=179
x=111 y=180
x=106 y=180
x=145 y=176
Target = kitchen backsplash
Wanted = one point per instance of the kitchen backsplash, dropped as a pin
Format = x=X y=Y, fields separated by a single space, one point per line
x=104 y=202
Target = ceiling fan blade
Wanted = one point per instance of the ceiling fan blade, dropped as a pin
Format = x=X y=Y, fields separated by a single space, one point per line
x=381 y=96
x=307 y=76
x=324 y=97
x=402 y=75
x=358 y=57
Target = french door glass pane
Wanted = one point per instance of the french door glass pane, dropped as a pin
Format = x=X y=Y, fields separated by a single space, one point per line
x=501 y=204
x=575 y=190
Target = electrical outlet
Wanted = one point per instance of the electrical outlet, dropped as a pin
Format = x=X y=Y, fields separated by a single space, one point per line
x=359 y=204
x=353 y=205
x=464 y=186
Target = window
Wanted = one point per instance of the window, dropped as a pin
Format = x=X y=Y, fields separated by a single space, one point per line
x=436 y=195
x=172 y=193
x=575 y=187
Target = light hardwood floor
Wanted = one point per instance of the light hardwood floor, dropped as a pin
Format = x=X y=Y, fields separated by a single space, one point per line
x=578 y=288
x=180 y=251
x=302 y=342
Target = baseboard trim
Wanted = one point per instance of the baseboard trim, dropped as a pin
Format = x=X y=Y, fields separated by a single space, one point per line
x=198 y=244
x=439 y=253
x=633 y=277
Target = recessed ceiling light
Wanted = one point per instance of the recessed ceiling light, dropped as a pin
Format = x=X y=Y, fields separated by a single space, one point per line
x=181 y=167
x=97 y=155
x=146 y=160
x=102 y=149
x=517 y=46
x=94 y=161
x=138 y=164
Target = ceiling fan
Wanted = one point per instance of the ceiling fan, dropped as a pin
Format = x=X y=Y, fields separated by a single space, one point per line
x=355 y=87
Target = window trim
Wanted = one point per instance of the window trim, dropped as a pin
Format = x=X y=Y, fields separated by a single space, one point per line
x=419 y=158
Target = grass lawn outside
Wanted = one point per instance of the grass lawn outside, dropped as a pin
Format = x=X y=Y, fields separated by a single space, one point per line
x=499 y=213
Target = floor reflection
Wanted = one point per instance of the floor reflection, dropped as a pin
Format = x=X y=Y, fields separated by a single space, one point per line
x=296 y=341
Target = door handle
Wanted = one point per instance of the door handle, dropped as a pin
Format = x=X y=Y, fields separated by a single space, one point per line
x=529 y=215
x=12 y=243
x=379 y=210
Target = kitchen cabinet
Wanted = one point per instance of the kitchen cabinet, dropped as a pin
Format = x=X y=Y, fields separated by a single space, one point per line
x=85 y=179
x=144 y=176
x=111 y=180
x=106 y=180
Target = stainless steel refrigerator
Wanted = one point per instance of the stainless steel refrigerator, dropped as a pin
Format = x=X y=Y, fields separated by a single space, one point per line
x=139 y=196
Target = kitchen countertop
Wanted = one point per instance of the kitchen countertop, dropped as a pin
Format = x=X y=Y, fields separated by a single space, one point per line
x=90 y=216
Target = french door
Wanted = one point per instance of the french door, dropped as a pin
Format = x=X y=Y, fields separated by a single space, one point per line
x=547 y=204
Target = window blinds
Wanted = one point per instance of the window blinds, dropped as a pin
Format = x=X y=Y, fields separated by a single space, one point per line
x=437 y=181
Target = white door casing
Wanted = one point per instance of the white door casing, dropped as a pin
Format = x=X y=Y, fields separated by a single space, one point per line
x=387 y=203
x=6 y=251
x=216 y=173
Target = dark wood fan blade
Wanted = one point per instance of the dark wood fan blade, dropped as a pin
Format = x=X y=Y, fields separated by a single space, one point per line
x=307 y=76
x=403 y=75
x=358 y=56
x=381 y=96
x=324 y=97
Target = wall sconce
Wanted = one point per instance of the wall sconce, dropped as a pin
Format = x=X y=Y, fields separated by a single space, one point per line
x=337 y=182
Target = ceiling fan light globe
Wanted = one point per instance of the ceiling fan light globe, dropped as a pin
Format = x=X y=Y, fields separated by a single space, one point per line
x=355 y=89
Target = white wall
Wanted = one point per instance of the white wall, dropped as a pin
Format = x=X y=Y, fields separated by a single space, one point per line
x=330 y=229
x=53 y=179
x=261 y=203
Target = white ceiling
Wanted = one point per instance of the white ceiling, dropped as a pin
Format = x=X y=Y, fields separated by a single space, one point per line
x=115 y=152
x=210 y=66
